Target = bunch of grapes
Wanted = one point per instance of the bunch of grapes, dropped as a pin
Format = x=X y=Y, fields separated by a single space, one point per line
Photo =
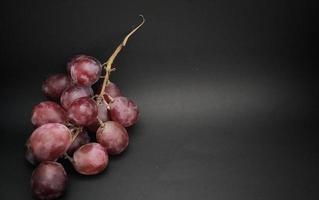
x=62 y=123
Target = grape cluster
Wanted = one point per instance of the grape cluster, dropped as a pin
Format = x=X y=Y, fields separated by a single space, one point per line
x=63 y=123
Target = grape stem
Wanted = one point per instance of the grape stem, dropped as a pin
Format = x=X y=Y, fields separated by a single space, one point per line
x=100 y=121
x=108 y=64
x=75 y=133
x=78 y=130
x=66 y=156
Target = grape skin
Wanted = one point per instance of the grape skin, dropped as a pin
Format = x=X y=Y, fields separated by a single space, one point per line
x=49 y=180
x=48 y=112
x=73 y=60
x=112 y=90
x=103 y=115
x=90 y=159
x=113 y=136
x=124 y=111
x=30 y=157
x=85 y=70
x=74 y=92
x=83 y=111
x=81 y=139
x=54 y=85
x=49 y=141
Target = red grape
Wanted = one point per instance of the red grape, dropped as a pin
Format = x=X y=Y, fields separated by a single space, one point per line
x=103 y=112
x=83 y=111
x=90 y=159
x=81 y=139
x=49 y=141
x=49 y=180
x=103 y=115
x=54 y=85
x=124 y=111
x=30 y=157
x=113 y=136
x=48 y=112
x=74 y=92
x=85 y=70
x=112 y=90
x=73 y=60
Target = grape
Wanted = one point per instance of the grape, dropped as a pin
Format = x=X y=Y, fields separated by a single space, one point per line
x=103 y=115
x=81 y=139
x=124 y=111
x=48 y=112
x=85 y=70
x=83 y=111
x=90 y=159
x=49 y=141
x=30 y=157
x=54 y=85
x=73 y=60
x=49 y=180
x=103 y=112
x=113 y=136
x=74 y=92
x=112 y=90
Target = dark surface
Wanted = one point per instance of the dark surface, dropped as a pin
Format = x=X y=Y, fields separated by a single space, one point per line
x=227 y=93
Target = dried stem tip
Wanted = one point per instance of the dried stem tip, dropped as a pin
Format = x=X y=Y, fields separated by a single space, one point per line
x=109 y=62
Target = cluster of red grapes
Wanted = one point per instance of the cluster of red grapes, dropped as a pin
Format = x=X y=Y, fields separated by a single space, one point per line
x=62 y=124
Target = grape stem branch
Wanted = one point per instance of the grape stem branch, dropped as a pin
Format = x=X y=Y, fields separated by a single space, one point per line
x=109 y=62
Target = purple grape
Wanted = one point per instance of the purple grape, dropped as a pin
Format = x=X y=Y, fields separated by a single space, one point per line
x=84 y=70
x=112 y=90
x=124 y=111
x=73 y=60
x=90 y=159
x=103 y=115
x=74 y=92
x=30 y=157
x=113 y=136
x=83 y=111
x=49 y=180
x=48 y=112
x=54 y=85
x=49 y=141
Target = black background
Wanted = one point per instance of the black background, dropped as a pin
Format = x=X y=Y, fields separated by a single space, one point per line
x=227 y=93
